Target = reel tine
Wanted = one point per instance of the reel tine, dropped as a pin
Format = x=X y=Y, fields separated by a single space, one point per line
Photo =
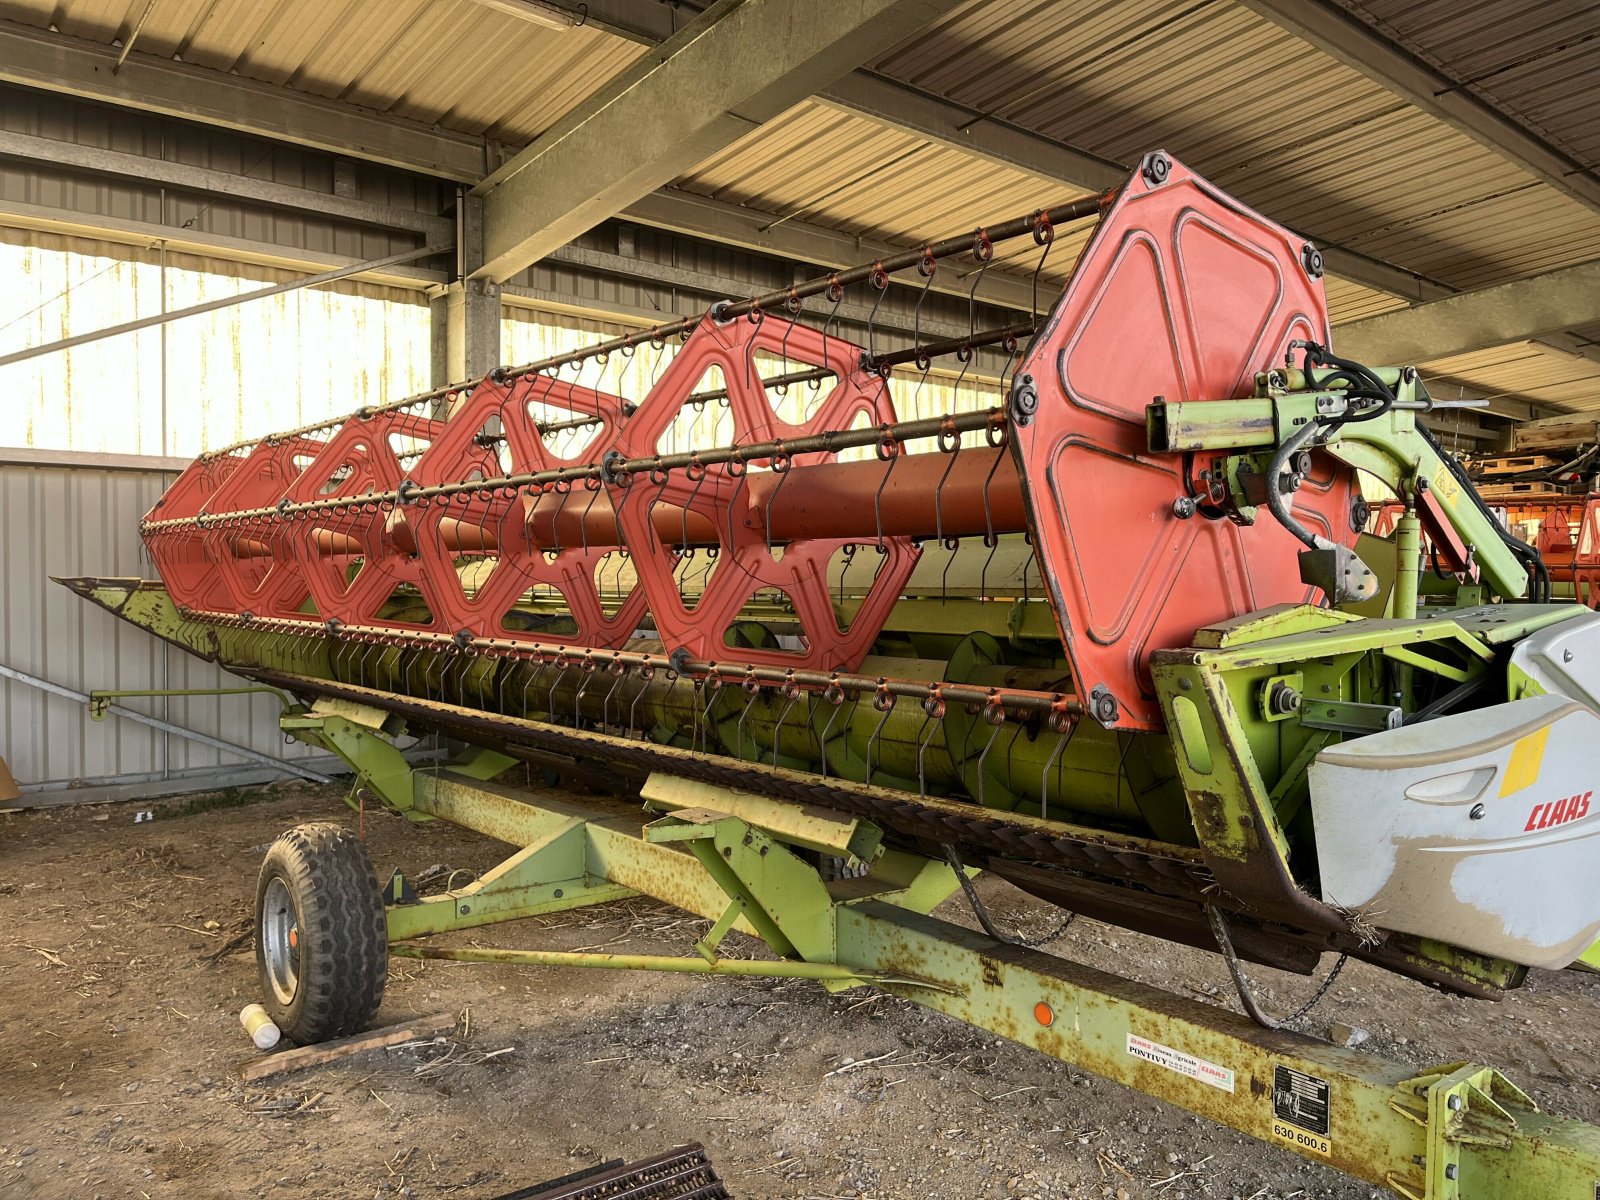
x=587 y=673
x=848 y=551
x=744 y=715
x=605 y=704
x=633 y=711
x=756 y=318
x=777 y=730
x=884 y=702
x=701 y=688
x=953 y=545
x=938 y=491
x=924 y=736
x=891 y=458
x=983 y=758
x=827 y=730
x=561 y=673
x=1063 y=740
x=990 y=538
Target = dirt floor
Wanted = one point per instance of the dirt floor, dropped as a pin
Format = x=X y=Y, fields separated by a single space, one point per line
x=119 y=1039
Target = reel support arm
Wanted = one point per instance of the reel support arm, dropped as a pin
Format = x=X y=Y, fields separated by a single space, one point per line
x=1273 y=434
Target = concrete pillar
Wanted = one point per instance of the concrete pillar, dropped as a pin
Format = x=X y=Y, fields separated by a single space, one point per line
x=466 y=331
x=465 y=314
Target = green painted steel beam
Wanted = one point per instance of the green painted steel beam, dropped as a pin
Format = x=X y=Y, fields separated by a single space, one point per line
x=546 y=876
x=1390 y=1124
x=1456 y=1131
x=738 y=967
x=375 y=760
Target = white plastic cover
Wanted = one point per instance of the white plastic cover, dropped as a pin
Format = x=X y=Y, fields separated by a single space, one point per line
x=1564 y=659
x=1477 y=829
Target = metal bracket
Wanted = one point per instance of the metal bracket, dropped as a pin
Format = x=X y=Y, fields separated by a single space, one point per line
x=1460 y=1105
x=376 y=761
x=1347 y=716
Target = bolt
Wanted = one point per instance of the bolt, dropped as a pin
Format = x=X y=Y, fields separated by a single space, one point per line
x=1103 y=704
x=465 y=910
x=559 y=893
x=1024 y=400
x=1451 y=1170
x=1454 y=1103
x=1156 y=168
x=1477 y=812
x=1282 y=700
x=1311 y=260
x=1183 y=508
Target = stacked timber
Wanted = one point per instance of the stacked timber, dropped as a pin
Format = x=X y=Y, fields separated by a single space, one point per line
x=1552 y=435
x=1547 y=461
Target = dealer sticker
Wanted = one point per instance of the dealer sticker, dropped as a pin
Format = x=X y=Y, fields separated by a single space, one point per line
x=1184 y=1064
x=1300 y=1105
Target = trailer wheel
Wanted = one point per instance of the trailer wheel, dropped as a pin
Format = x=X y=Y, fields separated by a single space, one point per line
x=322 y=946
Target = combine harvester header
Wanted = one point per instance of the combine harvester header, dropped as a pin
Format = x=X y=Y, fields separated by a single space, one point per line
x=1180 y=688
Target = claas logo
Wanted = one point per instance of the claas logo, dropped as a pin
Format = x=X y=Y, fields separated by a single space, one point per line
x=1559 y=812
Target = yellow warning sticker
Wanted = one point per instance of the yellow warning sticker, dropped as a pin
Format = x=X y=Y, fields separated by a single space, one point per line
x=1527 y=756
x=1445 y=486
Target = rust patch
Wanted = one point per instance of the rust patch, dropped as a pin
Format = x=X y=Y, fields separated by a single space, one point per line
x=991 y=972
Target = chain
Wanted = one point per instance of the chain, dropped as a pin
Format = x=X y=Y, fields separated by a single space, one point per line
x=1219 y=928
x=953 y=857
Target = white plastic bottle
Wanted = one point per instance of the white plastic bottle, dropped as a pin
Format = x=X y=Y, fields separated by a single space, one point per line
x=259 y=1026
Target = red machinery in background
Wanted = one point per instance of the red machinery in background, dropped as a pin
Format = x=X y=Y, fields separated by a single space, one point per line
x=1566 y=534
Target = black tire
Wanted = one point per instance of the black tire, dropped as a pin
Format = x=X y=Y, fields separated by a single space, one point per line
x=322 y=945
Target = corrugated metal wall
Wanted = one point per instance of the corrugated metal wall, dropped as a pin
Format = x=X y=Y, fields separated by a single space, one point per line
x=236 y=373
x=84 y=521
x=75 y=193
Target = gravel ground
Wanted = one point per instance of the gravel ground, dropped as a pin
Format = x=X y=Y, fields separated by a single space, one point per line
x=121 y=978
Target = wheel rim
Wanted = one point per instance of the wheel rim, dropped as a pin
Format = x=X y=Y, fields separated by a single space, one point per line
x=280 y=941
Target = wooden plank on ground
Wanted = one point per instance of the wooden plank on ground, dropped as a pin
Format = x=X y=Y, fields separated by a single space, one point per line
x=302 y=1057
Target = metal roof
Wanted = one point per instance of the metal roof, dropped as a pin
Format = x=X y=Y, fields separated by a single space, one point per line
x=1539 y=63
x=1270 y=117
x=451 y=63
x=1263 y=114
x=1522 y=371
